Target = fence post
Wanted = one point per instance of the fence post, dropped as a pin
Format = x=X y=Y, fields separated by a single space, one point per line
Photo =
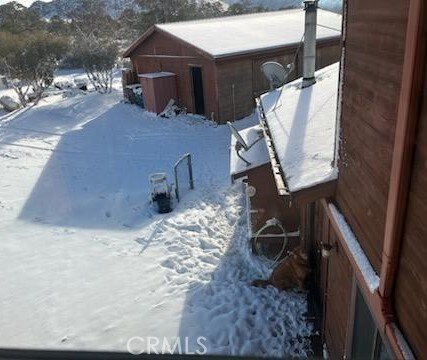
x=190 y=172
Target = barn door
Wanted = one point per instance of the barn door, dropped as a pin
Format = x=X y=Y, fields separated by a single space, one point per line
x=198 y=98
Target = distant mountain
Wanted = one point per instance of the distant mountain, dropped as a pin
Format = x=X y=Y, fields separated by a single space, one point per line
x=331 y=5
x=61 y=8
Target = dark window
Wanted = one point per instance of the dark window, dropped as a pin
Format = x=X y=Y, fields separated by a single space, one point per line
x=364 y=330
x=367 y=343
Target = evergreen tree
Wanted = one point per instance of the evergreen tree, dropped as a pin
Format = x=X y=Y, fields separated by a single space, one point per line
x=30 y=60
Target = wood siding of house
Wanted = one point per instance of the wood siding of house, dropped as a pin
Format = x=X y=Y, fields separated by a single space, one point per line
x=163 y=53
x=372 y=80
x=249 y=81
x=411 y=283
x=235 y=96
x=332 y=282
x=267 y=204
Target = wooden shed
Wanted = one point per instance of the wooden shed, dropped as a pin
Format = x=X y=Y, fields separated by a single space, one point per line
x=158 y=88
x=217 y=61
x=362 y=219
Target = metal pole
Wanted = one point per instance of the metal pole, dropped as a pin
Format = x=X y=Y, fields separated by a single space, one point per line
x=176 y=185
x=309 y=66
x=190 y=172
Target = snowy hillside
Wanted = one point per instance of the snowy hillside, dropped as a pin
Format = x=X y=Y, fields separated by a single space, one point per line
x=61 y=8
x=87 y=263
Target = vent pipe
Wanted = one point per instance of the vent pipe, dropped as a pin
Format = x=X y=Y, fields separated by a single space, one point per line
x=309 y=65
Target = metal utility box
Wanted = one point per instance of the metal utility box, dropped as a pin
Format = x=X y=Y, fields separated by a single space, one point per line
x=158 y=88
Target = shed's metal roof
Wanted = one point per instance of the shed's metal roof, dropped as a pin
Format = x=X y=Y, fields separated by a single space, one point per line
x=246 y=33
x=236 y=35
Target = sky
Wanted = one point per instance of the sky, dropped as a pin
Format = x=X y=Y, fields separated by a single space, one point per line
x=23 y=2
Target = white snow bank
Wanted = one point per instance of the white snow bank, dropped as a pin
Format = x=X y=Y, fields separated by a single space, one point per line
x=302 y=127
x=87 y=263
x=369 y=274
x=245 y=33
x=257 y=155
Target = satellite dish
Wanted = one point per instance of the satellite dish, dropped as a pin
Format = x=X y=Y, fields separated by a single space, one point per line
x=237 y=136
x=275 y=73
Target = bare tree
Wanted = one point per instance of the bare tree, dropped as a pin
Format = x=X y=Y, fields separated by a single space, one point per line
x=97 y=57
x=95 y=47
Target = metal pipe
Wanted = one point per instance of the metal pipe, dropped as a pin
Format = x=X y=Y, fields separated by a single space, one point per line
x=309 y=64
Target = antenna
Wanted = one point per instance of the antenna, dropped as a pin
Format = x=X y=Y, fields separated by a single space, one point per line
x=275 y=73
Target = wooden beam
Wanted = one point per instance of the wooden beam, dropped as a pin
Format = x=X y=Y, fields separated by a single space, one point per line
x=316 y=192
x=279 y=178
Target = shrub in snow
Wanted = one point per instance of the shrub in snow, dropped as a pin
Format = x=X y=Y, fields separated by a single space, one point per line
x=30 y=61
x=98 y=58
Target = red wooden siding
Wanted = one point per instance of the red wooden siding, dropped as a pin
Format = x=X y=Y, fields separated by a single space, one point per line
x=174 y=56
x=158 y=91
x=268 y=204
x=162 y=52
x=373 y=67
x=411 y=284
x=333 y=276
x=235 y=76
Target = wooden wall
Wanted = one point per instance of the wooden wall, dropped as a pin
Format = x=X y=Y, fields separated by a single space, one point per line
x=332 y=277
x=373 y=67
x=237 y=74
x=169 y=54
x=249 y=81
x=179 y=62
x=411 y=284
x=267 y=203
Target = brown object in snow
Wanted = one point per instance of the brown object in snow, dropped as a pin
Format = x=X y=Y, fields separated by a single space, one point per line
x=290 y=273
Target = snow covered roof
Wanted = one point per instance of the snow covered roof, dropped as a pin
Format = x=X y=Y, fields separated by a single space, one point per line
x=302 y=127
x=156 y=74
x=257 y=155
x=233 y=35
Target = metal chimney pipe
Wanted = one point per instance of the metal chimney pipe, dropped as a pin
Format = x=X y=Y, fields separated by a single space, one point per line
x=309 y=65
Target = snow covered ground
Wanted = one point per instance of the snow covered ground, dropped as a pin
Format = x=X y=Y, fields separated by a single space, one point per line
x=85 y=261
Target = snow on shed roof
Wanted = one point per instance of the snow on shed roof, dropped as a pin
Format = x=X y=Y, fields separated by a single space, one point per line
x=156 y=74
x=257 y=155
x=234 y=35
x=302 y=128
